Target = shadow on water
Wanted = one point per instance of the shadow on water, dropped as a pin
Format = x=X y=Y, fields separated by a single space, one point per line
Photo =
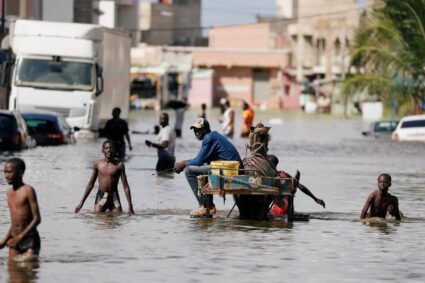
x=22 y=271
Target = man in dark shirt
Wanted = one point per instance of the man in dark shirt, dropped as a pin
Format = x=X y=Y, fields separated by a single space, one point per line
x=115 y=130
x=214 y=147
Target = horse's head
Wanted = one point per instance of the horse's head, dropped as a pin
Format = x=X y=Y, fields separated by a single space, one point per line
x=259 y=139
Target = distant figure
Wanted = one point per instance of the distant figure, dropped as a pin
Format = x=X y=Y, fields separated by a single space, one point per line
x=115 y=130
x=222 y=105
x=248 y=119
x=228 y=121
x=109 y=170
x=381 y=202
x=166 y=142
x=22 y=238
x=214 y=147
x=204 y=111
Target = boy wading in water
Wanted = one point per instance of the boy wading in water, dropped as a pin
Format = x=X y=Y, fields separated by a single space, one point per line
x=109 y=171
x=381 y=201
x=22 y=238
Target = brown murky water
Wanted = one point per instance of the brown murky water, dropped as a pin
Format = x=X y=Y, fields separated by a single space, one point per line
x=162 y=244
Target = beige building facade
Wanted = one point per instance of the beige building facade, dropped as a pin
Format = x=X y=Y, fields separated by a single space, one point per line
x=320 y=34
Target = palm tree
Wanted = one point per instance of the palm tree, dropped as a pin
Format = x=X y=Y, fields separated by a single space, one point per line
x=389 y=52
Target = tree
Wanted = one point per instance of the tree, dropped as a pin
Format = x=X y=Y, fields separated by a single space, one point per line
x=388 y=52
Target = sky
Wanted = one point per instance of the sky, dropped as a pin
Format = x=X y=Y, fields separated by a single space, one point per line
x=227 y=12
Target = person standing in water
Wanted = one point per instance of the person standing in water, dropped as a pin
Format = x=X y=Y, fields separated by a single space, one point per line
x=22 y=237
x=248 y=119
x=228 y=121
x=381 y=201
x=108 y=170
x=165 y=144
x=115 y=130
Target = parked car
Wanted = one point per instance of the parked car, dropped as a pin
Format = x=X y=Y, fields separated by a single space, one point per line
x=410 y=128
x=381 y=128
x=14 y=134
x=49 y=128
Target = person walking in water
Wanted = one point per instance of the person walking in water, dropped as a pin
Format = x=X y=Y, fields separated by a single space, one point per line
x=108 y=170
x=22 y=238
x=165 y=144
x=228 y=121
x=203 y=111
x=381 y=202
x=214 y=147
x=115 y=130
x=248 y=119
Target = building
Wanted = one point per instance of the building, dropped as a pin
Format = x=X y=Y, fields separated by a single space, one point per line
x=319 y=33
x=119 y=14
x=172 y=22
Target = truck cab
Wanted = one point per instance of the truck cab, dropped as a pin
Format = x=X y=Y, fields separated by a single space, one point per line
x=60 y=67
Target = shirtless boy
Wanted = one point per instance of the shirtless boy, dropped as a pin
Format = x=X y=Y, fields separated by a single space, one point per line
x=109 y=170
x=22 y=238
x=380 y=201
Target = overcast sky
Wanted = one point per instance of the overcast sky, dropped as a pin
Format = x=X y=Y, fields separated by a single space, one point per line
x=227 y=12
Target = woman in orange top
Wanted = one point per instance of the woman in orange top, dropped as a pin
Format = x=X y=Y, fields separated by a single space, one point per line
x=248 y=119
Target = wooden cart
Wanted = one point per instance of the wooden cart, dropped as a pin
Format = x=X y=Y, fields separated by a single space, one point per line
x=221 y=184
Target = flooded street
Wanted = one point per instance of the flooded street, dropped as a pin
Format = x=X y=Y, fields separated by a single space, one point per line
x=161 y=243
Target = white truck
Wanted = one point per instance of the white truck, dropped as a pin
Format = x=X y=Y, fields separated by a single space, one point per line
x=78 y=70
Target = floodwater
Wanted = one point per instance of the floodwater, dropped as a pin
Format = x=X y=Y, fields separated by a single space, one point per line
x=161 y=243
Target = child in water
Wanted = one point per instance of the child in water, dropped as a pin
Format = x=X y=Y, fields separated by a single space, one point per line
x=22 y=238
x=109 y=170
x=381 y=202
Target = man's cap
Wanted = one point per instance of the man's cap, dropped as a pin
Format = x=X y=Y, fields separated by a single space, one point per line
x=200 y=123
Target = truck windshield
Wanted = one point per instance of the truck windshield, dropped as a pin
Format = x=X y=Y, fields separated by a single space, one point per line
x=55 y=74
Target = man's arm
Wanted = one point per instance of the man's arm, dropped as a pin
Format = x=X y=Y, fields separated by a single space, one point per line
x=205 y=154
x=127 y=136
x=89 y=187
x=161 y=145
x=36 y=218
x=366 y=206
x=396 y=209
x=179 y=166
x=310 y=194
x=126 y=188
x=6 y=238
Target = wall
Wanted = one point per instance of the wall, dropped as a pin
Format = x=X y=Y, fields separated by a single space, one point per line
x=249 y=36
x=232 y=83
x=201 y=90
x=58 y=11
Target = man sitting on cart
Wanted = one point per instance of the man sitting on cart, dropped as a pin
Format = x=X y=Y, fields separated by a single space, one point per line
x=214 y=147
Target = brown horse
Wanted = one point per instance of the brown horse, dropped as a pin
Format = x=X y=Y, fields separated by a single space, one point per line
x=258 y=164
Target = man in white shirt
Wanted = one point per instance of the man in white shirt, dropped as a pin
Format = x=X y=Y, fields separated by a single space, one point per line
x=228 y=121
x=166 y=141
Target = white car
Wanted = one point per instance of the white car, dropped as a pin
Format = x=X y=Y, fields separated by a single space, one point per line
x=410 y=128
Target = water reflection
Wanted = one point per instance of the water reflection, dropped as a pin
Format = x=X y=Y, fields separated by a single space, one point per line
x=22 y=272
x=384 y=226
x=108 y=221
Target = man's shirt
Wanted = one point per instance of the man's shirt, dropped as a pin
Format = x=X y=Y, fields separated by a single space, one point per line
x=215 y=147
x=166 y=134
x=115 y=130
